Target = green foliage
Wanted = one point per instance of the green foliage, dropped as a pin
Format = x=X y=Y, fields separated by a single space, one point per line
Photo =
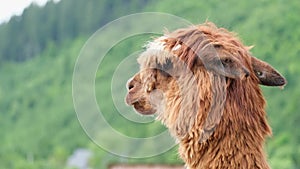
x=28 y=35
x=38 y=50
x=36 y=106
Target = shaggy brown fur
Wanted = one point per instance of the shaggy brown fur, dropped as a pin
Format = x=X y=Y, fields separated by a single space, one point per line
x=203 y=84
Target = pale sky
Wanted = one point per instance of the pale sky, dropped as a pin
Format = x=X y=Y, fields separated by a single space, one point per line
x=9 y=8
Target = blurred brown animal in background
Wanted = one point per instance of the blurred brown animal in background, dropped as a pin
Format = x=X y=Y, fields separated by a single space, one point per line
x=203 y=84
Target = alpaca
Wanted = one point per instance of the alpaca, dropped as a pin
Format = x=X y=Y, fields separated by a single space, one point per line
x=203 y=85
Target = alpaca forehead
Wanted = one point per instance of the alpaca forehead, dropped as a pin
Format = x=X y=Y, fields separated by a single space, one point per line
x=157 y=44
x=154 y=54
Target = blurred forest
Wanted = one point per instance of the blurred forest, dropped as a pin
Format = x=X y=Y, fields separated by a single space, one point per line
x=38 y=125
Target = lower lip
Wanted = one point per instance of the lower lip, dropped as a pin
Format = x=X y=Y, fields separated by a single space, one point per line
x=143 y=112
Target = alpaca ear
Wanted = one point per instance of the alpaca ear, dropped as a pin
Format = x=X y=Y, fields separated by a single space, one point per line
x=217 y=60
x=266 y=74
x=226 y=66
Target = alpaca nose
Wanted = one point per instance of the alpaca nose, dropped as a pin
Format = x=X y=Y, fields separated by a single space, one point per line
x=130 y=84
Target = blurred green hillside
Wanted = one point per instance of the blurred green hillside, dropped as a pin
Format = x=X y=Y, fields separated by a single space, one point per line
x=38 y=50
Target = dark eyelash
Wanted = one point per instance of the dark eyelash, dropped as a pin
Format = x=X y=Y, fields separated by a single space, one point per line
x=166 y=66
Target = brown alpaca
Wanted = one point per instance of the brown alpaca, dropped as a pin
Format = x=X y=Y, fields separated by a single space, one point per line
x=203 y=84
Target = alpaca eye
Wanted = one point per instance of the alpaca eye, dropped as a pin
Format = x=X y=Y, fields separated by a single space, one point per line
x=226 y=61
x=165 y=67
x=164 y=73
x=259 y=73
x=217 y=46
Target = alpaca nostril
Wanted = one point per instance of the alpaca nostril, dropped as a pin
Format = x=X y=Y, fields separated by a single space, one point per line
x=281 y=81
x=130 y=86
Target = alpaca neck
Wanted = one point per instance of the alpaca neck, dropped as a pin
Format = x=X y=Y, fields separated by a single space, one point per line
x=237 y=142
x=232 y=151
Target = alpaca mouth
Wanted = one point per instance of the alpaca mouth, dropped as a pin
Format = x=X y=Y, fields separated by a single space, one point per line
x=140 y=108
x=129 y=100
x=280 y=82
x=140 y=105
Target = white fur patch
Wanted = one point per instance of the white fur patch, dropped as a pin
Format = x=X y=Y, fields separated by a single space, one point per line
x=157 y=44
x=176 y=47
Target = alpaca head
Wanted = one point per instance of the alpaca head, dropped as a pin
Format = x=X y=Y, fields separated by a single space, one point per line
x=186 y=75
